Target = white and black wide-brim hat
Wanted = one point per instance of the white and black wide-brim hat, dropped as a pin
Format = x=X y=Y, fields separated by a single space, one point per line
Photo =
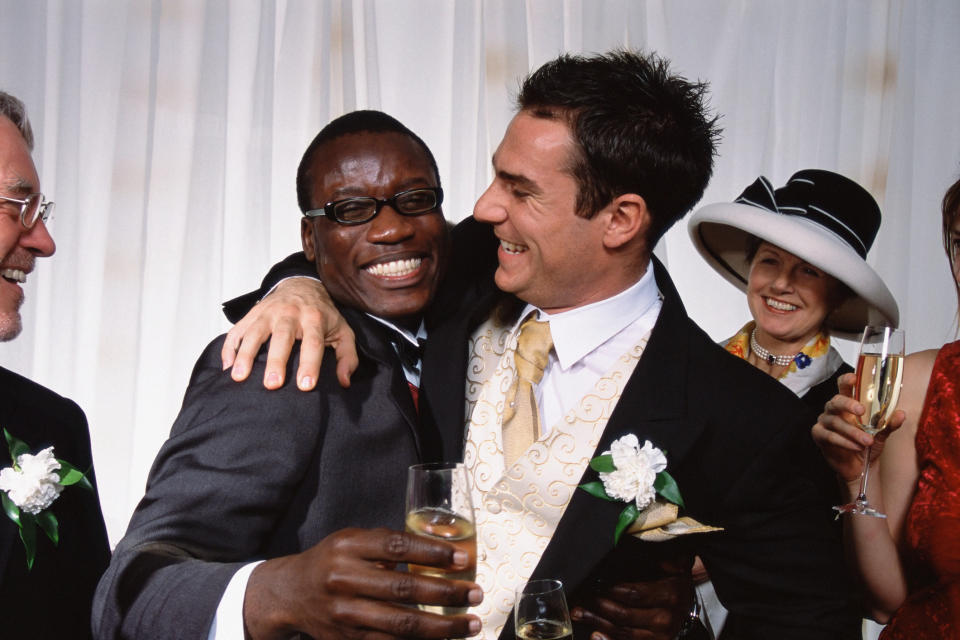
x=819 y=216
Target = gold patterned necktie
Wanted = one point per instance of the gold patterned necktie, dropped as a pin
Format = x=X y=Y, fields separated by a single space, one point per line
x=521 y=416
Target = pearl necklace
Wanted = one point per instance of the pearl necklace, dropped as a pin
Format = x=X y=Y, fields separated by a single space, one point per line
x=763 y=354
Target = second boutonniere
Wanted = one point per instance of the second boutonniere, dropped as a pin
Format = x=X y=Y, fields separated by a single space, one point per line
x=633 y=474
x=30 y=487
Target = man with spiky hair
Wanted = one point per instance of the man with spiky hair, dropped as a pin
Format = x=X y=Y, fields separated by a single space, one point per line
x=49 y=594
x=604 y=154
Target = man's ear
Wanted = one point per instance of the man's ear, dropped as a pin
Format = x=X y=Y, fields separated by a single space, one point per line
x=308 y=238
x=629 y=218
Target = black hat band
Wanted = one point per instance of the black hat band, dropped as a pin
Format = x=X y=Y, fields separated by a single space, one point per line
x=794 y=200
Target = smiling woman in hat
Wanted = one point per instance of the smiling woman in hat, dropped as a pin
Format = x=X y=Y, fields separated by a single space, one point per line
x=799 y=253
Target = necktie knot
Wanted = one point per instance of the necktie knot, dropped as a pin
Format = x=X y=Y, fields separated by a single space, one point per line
x=521 y=417
x=410 y=354
x=533 y=349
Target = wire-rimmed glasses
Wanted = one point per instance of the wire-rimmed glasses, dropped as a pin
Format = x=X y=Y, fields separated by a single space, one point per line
x=32 y=208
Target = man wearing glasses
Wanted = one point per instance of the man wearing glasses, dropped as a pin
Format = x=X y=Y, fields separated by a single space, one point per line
x=301 y=480
x=52 y=598
x=22 y=240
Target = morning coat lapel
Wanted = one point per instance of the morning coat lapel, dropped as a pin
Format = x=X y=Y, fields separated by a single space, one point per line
x=14 y=422
x=9 y=536
x=443 y=380
x=653 y=407
x=373 y=342
x=464 y=300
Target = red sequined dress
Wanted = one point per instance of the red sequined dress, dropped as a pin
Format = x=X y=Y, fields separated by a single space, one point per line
x=932 y=554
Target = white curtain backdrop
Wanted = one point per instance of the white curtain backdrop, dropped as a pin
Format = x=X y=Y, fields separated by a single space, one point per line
x=169 y=132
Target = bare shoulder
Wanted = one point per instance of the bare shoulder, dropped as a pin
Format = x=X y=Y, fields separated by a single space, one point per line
x=921 y=361
x=917 y=368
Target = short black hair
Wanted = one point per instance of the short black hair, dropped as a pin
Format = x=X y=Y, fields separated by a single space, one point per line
x=638 y=127
x=368 y=121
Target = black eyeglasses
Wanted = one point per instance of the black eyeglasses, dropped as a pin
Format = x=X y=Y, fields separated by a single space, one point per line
x=32 y=208
x=413 y=202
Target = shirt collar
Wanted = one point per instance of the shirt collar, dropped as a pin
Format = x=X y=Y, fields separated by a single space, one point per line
x=409 y=336
x=605 y=319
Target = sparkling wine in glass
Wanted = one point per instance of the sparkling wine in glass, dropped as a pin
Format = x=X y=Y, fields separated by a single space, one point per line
x=541 y=612
x=879 y=376
x=439 y=507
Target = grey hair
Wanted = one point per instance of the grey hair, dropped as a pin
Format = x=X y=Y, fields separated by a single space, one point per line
x=14 y=109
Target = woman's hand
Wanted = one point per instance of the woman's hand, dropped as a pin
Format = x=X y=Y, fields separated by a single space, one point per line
x=839 y=436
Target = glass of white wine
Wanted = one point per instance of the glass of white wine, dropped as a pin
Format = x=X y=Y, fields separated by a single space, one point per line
x=879 y=376
x=439 y=507
x=541 y=612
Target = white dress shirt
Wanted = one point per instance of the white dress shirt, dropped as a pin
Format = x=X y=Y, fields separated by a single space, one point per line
x=587 y=340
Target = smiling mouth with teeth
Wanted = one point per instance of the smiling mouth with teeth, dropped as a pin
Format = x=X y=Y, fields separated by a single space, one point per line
x=779 y=306
x=512 y=248
x=394 y=268
x=14 y=275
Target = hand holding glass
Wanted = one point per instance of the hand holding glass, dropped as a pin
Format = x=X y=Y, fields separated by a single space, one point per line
x=879 y=375
x=439 y=507
x=541 y=612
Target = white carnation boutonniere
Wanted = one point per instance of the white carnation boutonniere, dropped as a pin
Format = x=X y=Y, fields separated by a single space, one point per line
x=30 y=486
x=634 y=474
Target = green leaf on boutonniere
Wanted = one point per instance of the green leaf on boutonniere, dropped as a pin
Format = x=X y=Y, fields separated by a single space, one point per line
x=595 y=489
x=12 y=510
x=603 y=464
x=48 y=522
x=17 y=447
x=666 y=486
x=69 y=475
x=28 y=533
x=627 y=516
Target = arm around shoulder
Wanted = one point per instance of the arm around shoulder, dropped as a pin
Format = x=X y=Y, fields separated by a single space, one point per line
x=299 y=308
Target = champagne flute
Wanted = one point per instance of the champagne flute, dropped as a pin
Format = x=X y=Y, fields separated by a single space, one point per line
x=541 y=612
x=879 y=375
x=439 y=507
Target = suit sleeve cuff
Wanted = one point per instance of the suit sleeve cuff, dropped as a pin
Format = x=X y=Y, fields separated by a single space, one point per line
x=228 y=622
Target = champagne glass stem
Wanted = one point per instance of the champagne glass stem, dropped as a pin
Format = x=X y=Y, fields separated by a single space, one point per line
x=862 y=497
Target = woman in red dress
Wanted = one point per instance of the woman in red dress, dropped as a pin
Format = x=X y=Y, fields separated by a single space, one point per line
x=909 y=563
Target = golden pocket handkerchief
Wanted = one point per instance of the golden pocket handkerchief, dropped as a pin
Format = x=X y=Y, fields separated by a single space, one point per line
x=659 y=522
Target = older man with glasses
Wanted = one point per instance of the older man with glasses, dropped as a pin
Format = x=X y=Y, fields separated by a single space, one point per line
x=46 y=586
x=22 y=240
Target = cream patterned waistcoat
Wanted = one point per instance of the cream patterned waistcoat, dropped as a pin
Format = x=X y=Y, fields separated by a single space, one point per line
x=518 y=509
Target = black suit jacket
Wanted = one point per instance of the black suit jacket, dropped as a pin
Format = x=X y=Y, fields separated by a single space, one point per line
x=249 y=473
x=737 y=441
x=53 y=599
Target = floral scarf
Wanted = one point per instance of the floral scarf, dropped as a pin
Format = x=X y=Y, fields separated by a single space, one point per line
x=816 y=362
